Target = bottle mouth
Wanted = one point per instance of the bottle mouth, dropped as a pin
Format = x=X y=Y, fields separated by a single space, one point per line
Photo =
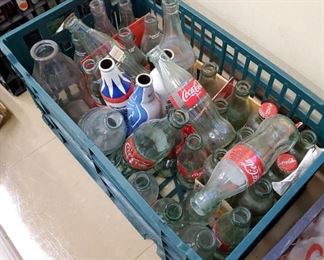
x=156 y=54
x=143 y=80
x=242 y=88
x=97 y=6
x=124 y=3
x=178 y=118
x=170 y=6
x=44 y=50
x=142 y=181
x=113 y=120
x=206 y=239
x=125 y=33
x=173 y=211
x=150 y=18
x=218 y=154
x=245 y=132
x=308 y=138
x=221 y=105
x=262 y=188
x=169 y=53
x=209 y=69
x=194 y=142
x=241 y=216
x=106 y=64
x=89 y=65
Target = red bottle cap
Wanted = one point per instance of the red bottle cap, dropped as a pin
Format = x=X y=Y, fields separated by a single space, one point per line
x=23 y=6
x=287 y=163
x=267 y=110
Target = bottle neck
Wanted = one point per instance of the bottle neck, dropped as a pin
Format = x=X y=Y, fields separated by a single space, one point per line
x=44 y=51
x=171 y=19
x=144 y=83
x=307 y=140
x=205 y=240
x=178 y=118
x=97 y=8
x=221 y=106
x=113 y=120
x=127 y=37
x=173 y=212
x=241 y=217
x=142 y=182
x=218 y=155
x=209 y=70
x=262 y=189
x=151 y=26
x=194 y=142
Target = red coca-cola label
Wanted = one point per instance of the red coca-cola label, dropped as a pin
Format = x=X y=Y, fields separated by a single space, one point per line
x=133 y=157
x=190 y=176
x=220 y=244
x=190 y=94
x=267 y=110
x=287 y=163
x=248 y=161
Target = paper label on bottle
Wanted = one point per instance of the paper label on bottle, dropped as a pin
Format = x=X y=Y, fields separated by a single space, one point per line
x=190 y=94
x=248 y=161
x=133 y=157
x=190 y=176
x=116 y=53
x=220 y=244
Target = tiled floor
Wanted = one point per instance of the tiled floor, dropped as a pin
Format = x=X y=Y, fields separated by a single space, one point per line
x=49 y=206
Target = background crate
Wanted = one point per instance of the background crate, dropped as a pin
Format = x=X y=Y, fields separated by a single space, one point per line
x=211 y=42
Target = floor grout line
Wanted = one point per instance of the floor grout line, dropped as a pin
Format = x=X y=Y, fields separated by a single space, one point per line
x=144 y=251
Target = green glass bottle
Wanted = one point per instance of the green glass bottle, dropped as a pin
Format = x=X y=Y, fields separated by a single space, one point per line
x=307 y=140
x=208 y=78
x=211 y=162
x=221 y=106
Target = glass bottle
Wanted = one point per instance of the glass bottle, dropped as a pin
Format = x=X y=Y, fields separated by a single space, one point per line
x=153 y=141
x=307 y=140
x=126 y=13
x=241 y=135
x=173 y=37
x=259 y=198
x=211 y=162
x=105 y=127
x=185 y=92
x=246 y=162
x=90 y=68
x=152 y=35
x=146 y=185
x=231 y=228
x=285 y=164
x=266 y=110
x=170 y=211
x=61 y=78
x=200 y=238
x=190 y=161
x=127 y=37
x=79 y=52
x=98 y=45
x=238 y=104
x=208 y=78
x=101 y=20
x=221 y=106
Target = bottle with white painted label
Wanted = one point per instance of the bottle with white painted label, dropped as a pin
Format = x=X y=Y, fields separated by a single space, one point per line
x=246 y=162
x=186 y=92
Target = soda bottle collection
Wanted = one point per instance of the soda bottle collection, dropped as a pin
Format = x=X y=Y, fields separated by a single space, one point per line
x=141 y=103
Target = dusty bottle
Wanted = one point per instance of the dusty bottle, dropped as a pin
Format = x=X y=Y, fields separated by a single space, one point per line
x=200 y=238
x=91 y=70
x=190 y=160
x=152 y=35
x=285 y=164
x=266 y=110
x=258 y=199
x=98 y=45
x=146 y=186
x=221 y=106
x=79 y=52
x=127 y=37
x=173 y=37
x=307 y=140
x=211 y=162
x=126 y=13
x=101 y=20
x=238 y=104
x=186 y=92
x=246 y=162
x=61 y=78
x=153 y=141
x=231 y=228
x=170 y=211
x=208 y=78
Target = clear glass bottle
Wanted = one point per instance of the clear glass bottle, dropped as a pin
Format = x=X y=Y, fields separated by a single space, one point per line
x=170 y=211
x=231 y=228
x=127 y=37
x=241 y=135
x=259 y=198
x=79 y=52
x=221 y=106
x=152 y=35
x=208 y=78
x=285 y=164
x=211 y=162
x=61 y=78
x=105 y=127
x=101 y=20
x=307 y=140
x=239 y=105
x=153 y=141
x=125 y=13
x=146 y=185
x=266 y=110
x=90 y=68
x=185 y=92
x=200 y=238
x=173 y=37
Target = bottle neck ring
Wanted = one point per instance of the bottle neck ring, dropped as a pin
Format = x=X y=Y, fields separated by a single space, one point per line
x=142 y=182
x=241 y=217
x=44 y=50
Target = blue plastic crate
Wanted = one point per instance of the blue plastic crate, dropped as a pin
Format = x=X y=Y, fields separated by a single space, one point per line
x=214 y=43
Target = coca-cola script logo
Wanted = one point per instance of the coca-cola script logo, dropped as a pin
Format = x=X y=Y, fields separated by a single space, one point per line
x=251 y=168
x=190 y=94
x=193 y=91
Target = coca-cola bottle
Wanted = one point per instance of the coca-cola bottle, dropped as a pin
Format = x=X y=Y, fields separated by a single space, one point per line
x=186 y=92
x=152 y=35
x=246 y=162
x=79 y=52
x=221 y=106
x=154 y=140
x=285 y=164
x=211 y=162
x=208 y=78
x=126 y=13
x=241 y=135
x=266 y=110
x=307 y=140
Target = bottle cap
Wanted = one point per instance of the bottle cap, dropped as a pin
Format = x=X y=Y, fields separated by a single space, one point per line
x=267 y=110
x=287 y=163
